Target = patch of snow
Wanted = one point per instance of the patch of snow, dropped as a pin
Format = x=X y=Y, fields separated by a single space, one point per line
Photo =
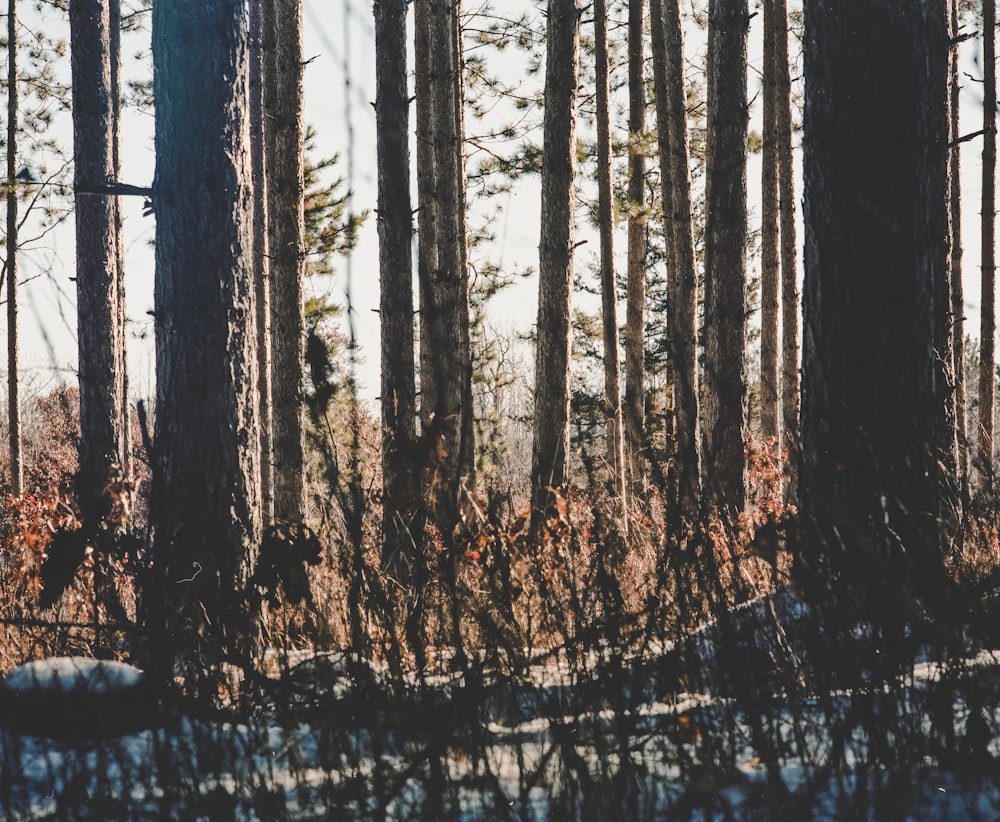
x=70 y=674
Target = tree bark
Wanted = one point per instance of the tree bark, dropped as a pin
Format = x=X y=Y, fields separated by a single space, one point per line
x=955 y=274
x=402 y=524
x=205 y=508
x=876 y=486
x=283 y=100
x=445 y=331
x=682 y=282
x=770 y=298
x=635 y=311
x=724 y=429
x=790 y=347
x=550 y=441
x=13 y=341
x=987 y=329
x=609 y=296
x=100 y=320
x=261 y=265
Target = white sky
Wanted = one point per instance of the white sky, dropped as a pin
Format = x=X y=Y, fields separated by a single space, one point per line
x=340 y=86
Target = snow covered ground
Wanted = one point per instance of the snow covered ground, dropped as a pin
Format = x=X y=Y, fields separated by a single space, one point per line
x=606 y=739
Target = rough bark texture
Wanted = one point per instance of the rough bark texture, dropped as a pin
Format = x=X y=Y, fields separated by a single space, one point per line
x=445 y=331
x=987 y=329
x=402 y=527
x=790 y=335
x=13 y=343
x=550 y=443
x=955 y=274
x=724 y=428
x=682 y=283
x=609 y=295
x=770 y=298
x=205 y=508
x=99 y=277
x=283 y=100
x=635 y=311
x=261 y=266
x=875 y=485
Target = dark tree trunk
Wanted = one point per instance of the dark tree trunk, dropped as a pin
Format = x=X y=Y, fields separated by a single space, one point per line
x=724 y=428
x=283 y=100
x=682 y=283
x=987 y=329
x=957 y=289
x=99 y=276
x=876 y=433
x=402 y=525
x=550 y=443
x=609 y=291
x=635 y=312
x=205 y=509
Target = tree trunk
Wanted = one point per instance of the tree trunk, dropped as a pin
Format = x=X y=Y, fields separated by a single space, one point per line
x=205 y=507
x=609 y=295
x=876 y=487
x=955 y=274
x=987 y=331
x=550 y=441
x=445 y=332
x=402 y=525
x=682 y=283
x=635 y=312
x=100 y=321
x=724 y=429
x=770 y=298
x=13 y=377
x=261 y=266
x=283 y=100
x=789 y=263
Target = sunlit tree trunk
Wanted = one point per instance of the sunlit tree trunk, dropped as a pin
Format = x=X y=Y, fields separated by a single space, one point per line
x=550 y=443
x=99 y=276
x=205 y=504
x=790 y=348
x=609 y=295
x=635 y=312
x=724 y=428
x=770 y=297
x=671 y=115
x=283 y=101
x=13 y=378
x=402 y=526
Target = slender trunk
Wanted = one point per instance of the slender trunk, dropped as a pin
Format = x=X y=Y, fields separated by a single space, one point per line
x=635 y=312
x=101 y=336
x=550 y=442
x=987 y=330
x=261 y=272
x=402 y=526
x=609 y=295
x=114 y=54
x=789 y=257
x=682 y=285
x=724 y=429
x=13 y=378
x=770 y=298
x=283 y=101
x=445 y=331
x=957 y=290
